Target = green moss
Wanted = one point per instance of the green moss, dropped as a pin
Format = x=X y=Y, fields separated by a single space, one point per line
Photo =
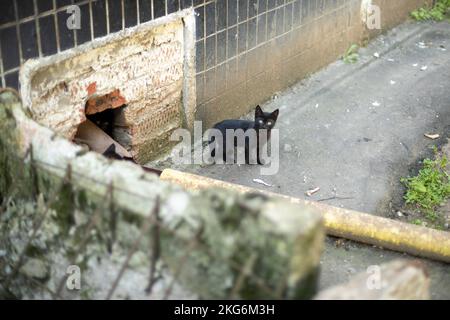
x=234 y=237
x=65 y=207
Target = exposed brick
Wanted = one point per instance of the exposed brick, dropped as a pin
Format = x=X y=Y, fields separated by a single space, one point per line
x=98 y=104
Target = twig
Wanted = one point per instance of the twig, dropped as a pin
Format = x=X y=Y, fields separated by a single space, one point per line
x=335 y=198
x=245 y=272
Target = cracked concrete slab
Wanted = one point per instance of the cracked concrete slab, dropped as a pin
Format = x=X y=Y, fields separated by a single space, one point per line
x=355 y=130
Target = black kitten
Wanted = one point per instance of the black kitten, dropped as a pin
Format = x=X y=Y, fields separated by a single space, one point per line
x=111 y=153
x=263 y=120
x=104 y=120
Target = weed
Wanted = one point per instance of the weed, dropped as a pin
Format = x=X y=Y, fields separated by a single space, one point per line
x=351 y=55
x=432 y=216
x=436 y=13
x=430 y=188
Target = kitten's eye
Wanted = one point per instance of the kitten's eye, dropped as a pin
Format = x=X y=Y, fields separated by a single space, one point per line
x=260 y=121
x=269 y=123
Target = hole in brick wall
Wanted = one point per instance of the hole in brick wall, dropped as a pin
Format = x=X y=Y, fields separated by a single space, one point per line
x=103 y=129
x=105 y=120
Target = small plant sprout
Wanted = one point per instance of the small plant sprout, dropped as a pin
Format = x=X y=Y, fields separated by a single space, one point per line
x=351 y=55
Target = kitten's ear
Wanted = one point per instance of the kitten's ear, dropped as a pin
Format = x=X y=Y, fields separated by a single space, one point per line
x=110 y=149
x=274 y=115
x=258 y=112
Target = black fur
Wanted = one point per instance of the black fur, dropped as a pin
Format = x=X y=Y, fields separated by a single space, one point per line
x=111 y=153
x=263 y=120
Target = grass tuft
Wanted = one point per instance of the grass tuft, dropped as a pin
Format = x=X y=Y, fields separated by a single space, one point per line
x=351 y=55
x=436 y=13
x=430 y=188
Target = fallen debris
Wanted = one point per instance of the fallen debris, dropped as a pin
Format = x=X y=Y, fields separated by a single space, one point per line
x=432 y=136
x=422 y=45
x=376 y=104
x=334 y=198
x=262 y=182
x=310 y=193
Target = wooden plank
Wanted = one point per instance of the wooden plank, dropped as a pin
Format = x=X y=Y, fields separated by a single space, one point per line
x=97 y=139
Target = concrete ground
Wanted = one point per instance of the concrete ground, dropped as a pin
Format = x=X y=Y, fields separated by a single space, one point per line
x=354 y=131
